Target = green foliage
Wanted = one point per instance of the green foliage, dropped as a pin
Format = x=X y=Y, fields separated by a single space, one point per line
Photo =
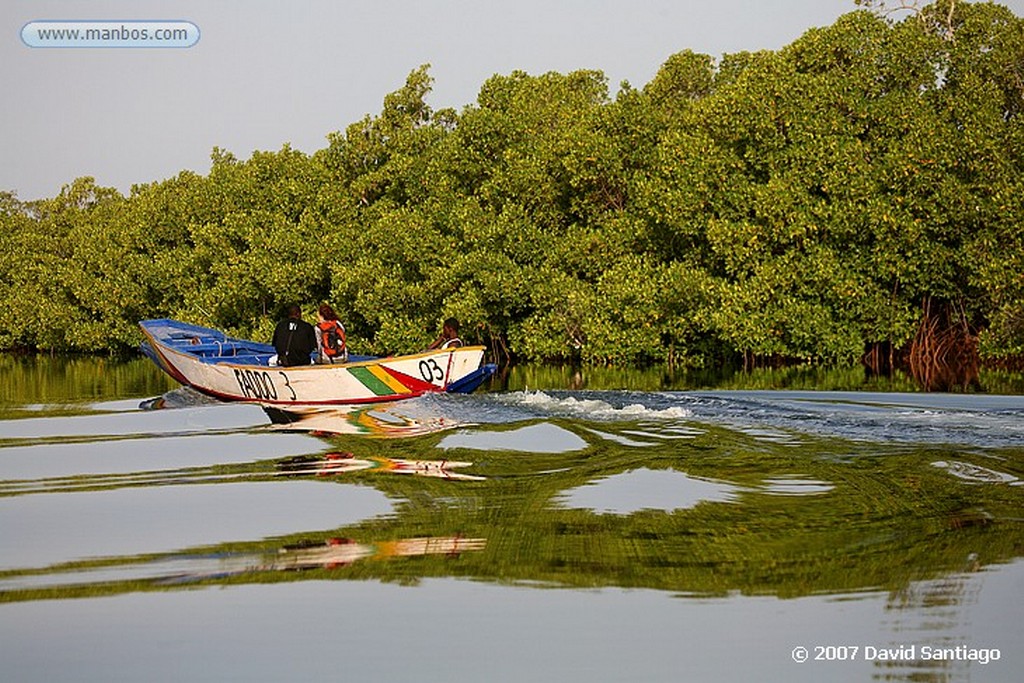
x=795 y=204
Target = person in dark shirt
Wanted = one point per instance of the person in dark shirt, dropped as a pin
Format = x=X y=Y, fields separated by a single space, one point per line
x=294 y=339
x=449 y=338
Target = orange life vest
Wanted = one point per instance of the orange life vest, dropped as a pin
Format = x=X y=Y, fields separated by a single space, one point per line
x=332 y=338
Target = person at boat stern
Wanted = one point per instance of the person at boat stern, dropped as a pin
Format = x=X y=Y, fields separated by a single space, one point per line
x=294 y=339
x=449 y=338
x=330 y=336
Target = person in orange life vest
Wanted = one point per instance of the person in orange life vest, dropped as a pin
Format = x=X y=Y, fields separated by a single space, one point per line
x=449 y=338
x=294 y=339
x=330 y=337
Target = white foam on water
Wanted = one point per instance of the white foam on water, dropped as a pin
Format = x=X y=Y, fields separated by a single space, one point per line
x=594 y=409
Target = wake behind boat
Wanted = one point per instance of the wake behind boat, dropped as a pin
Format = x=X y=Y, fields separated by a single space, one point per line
x=233 y=369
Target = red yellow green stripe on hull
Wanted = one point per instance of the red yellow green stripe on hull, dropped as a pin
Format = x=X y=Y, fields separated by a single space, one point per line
x=386 y=382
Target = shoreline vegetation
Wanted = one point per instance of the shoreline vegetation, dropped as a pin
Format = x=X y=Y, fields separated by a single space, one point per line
x=856 y=196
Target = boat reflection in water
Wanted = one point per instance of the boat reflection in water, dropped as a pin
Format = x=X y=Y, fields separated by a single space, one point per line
x=339 y=552
x=332 y=553
x=342 y=463
x=388 y=420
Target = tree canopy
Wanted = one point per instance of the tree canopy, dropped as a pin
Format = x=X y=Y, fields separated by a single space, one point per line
x=803 y=203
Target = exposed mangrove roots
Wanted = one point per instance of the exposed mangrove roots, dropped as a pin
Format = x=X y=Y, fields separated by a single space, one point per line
x=942 y=356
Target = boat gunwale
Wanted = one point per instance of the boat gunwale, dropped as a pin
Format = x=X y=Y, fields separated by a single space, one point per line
x=312 y=366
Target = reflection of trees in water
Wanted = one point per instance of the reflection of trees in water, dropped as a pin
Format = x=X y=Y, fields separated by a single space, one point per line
x=58 y=380
x=934 y=613
x=806 y=515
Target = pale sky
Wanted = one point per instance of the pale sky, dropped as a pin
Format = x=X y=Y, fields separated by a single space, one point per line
x=267 y=72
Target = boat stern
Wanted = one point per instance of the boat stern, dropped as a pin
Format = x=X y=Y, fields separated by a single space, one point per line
x=469 y=383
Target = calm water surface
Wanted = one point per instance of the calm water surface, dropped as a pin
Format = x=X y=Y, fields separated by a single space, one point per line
x=550 y=530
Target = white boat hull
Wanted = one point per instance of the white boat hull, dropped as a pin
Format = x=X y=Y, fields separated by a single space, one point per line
x=362 y=381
